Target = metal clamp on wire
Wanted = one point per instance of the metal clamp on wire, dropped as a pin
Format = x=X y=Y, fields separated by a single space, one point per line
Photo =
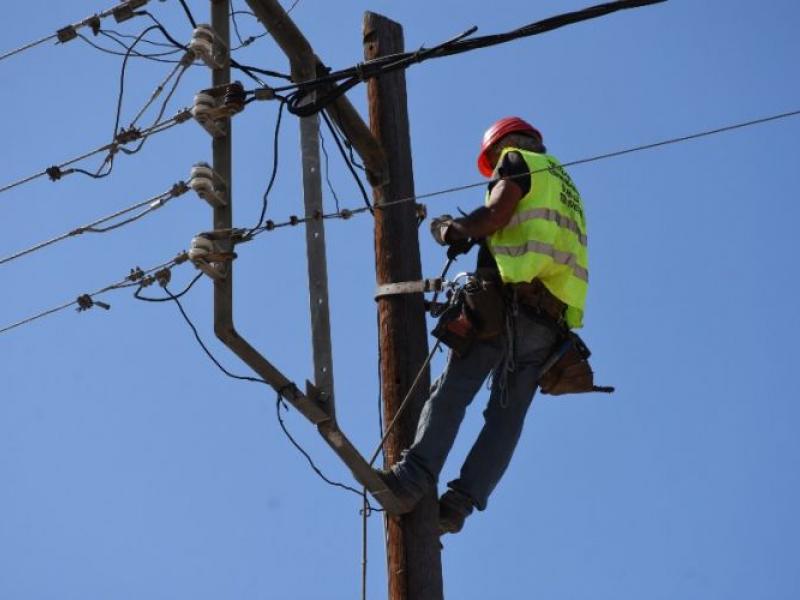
x=208 y=47
x=435 y=284
x=212 y=106
x=124 y=11
x=211 y=252
x=209 y=185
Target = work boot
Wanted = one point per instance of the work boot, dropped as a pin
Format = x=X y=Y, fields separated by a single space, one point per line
x=405 y=501
x=454 y=508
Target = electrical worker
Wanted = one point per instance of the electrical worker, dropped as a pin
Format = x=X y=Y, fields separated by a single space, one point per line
x=532 y=234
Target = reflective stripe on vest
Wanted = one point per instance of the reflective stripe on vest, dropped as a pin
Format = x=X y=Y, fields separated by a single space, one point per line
x=562 y=258
x=546 y=236
x=549 y=214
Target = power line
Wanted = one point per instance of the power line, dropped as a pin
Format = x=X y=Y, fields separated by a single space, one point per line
x=86 y=301
x=188 y=14
x=243 y=42
x=121 y=12
x=279 y=403
x=347 y=162
x=56 y=172
x=152 y=205
x=155 y=56
x=352 y=76
x=274 y=174
x=346 y=214
x=28 y=46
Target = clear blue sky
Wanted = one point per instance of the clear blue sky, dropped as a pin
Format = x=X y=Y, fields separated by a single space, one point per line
x=130 y=468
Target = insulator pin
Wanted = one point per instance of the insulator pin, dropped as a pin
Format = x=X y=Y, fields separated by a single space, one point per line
x=208 y=47
x=208 y=185
x=204 y=111
x=211 y=252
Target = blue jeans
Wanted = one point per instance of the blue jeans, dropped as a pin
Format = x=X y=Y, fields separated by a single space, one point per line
x=515 y=359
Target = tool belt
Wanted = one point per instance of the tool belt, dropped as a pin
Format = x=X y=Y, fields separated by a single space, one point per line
x=476 y=312
x=536 y=298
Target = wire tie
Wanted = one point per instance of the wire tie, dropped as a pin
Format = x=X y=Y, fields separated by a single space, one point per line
x=136 y=274
x=54 y=173
x=179 y=189
x=164 y=276
x=345 y=213
x=293 y=220
x=183 y=115
x=126 y=136
x=318 y=215
x=94 y=23
x=85 y=302
x=270 y=225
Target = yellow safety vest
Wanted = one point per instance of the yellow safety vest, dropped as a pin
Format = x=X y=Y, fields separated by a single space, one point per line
x=546 y=236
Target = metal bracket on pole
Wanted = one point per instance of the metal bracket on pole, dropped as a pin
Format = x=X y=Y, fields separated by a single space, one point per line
x=435 y=284
x=317 y=404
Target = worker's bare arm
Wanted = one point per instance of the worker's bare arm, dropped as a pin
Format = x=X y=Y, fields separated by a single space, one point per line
x=484 y=221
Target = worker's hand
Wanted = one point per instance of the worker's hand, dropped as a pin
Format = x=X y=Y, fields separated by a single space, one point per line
x=439 y=227
x=459 y=247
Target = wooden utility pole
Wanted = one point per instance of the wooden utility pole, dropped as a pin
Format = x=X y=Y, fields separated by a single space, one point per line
x=413 y=551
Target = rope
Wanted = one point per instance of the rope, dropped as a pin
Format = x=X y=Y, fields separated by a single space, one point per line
x=404 y=403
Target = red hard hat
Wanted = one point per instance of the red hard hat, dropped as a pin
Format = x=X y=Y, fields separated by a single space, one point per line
x=497 y=131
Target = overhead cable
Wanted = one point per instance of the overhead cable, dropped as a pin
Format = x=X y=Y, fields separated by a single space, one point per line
x=346 y=214
x=300 y=105
x=87 y=301
x=279 y=404
x=150 y=205
x=121 y=12
x=151 y=56
x=57 y=172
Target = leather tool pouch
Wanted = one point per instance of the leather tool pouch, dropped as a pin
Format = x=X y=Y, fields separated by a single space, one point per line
x=455 y=329
x=486 y=307
x=569 y=371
